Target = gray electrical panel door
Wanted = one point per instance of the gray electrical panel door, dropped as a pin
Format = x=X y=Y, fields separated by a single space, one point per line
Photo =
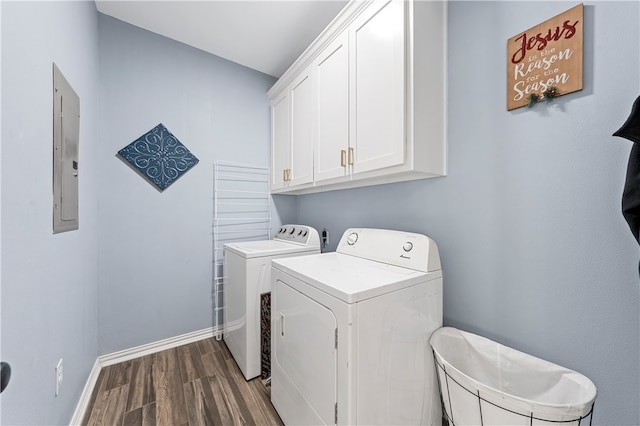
x=66 y=131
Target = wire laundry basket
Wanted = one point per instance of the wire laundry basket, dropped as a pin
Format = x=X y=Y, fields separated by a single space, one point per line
x=484 y=383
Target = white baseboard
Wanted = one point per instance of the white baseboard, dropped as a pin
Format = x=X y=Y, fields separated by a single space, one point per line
x=153 y=347
x=83 y=403
x=132 y=353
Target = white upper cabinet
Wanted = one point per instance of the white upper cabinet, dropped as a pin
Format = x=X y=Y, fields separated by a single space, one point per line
x=302 y=130
x=280 y=141
x=377 y=87
x=331 y=70
x=366 y=101
x=292 y=133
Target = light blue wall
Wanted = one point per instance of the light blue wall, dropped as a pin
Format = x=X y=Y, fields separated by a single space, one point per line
x=49 y=282
x=156 y=248
x=535 y=252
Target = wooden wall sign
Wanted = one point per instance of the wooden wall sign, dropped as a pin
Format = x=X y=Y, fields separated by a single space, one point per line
x=547 y=55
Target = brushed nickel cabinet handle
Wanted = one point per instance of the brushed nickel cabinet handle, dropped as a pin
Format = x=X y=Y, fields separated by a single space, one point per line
x=343 y=154
x=351 y=156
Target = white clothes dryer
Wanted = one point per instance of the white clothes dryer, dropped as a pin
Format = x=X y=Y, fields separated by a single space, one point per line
x=247 y=275
x=350 y=332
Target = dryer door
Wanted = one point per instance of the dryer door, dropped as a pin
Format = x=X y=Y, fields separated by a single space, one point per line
x=304 y=358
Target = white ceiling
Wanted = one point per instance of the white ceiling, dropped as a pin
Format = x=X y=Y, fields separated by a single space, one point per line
x=265 y=35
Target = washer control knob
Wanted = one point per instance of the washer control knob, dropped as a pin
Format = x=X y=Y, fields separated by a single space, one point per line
x=292 y=230
x=352 y=238
x=407 y=246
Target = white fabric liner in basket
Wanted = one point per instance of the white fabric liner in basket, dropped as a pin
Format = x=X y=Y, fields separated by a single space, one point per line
x=484 y=382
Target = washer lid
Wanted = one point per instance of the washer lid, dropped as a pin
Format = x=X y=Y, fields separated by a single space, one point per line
x=250 y=249
x=350 y=278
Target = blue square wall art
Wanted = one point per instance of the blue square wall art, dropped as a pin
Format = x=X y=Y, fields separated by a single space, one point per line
x=159 y=157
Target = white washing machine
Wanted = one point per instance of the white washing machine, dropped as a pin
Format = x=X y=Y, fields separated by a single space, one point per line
x=350 y=332
x=247 y=270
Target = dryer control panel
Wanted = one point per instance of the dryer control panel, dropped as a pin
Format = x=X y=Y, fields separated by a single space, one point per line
x=405 y=249
x=300 y=234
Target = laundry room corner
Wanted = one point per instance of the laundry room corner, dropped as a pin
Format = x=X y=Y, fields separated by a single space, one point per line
x=535 y=251
x=160 y=241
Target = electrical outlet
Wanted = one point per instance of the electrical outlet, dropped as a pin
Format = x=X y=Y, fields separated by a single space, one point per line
x=325 y=237
x=59 y=376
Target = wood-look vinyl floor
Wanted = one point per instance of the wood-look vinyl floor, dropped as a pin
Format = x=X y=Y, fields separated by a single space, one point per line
x=195 y=384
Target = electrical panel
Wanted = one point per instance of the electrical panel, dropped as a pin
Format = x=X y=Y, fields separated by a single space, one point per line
x=66 y=132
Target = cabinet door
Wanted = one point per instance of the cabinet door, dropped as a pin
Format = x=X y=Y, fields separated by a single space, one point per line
x=302 y=130
x=280 y=141
x=332 y=116
x=378 y=86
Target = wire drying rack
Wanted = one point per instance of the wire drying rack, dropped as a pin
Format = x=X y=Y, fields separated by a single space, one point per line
x=241 y=212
